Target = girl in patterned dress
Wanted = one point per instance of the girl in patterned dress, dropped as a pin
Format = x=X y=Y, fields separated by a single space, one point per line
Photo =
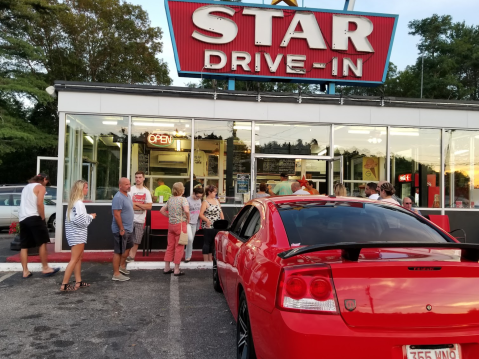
x=210 y=212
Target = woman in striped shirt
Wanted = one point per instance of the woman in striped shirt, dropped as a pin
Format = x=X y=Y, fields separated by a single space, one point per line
x=76 y=231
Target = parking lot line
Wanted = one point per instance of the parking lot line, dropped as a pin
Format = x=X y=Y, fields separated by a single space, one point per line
x=6 y=276
x=174 y=334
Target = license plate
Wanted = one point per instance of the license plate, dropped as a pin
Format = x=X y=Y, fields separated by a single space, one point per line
x=416 y=352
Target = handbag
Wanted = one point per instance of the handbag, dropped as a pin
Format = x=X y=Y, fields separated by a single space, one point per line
x=183 y=235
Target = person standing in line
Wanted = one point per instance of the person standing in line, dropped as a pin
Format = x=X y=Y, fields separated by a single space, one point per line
x=340 y=190
x=297 y=189
x=387 y=191
x=310 y=188
x=142 y=202
x=396 y=198
x=122 y=228
x=178 y=213
x=407 y=203
x=283 y=188
x=77 y=221
x=161 y=191
x=262 y=191
x=194 y=202
x=33 y=229
x=187 y=186
x=210 y=212
x=371 y=191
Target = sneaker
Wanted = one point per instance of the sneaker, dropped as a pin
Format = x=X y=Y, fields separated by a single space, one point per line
x=129 y=259
x=124 y=271
x=120 y=277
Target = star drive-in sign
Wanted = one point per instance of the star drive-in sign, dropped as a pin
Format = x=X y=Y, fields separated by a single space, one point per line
x=263 y=42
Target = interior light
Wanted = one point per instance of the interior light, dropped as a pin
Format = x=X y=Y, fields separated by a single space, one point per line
x=178 y=145
x=68 y=121
x=153 y=124
x=375 y=140
x=110 y=122
x=323 y=152
x=187 y=125
x=118 y=144
x=89 y=139
x=395 y=133
x=359 y=132
x=461 y=152
x=245 y=128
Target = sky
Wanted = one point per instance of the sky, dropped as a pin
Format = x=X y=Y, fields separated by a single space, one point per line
x=404 y=49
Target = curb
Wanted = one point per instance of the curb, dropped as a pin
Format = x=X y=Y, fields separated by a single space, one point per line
x=37 y=267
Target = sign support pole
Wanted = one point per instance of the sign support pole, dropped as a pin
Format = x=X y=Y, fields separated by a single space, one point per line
x=331 y=88
x=231 y=84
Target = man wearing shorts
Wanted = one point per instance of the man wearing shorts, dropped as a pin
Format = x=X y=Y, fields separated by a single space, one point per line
x=142 y=202
x=122 y=228
x=33 y=229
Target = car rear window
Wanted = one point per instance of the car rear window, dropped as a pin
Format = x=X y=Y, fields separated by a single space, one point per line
x=308 y=223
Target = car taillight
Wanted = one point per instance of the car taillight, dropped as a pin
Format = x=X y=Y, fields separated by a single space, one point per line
x=307 y=289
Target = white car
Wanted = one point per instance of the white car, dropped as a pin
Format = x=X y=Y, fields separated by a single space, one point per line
x=10 y=204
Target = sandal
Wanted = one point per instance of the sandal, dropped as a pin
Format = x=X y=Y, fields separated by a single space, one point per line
x=67 y=288
x=82 y=284
x=168 y=272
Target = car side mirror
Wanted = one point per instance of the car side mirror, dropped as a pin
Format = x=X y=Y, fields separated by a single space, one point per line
x=221 y=224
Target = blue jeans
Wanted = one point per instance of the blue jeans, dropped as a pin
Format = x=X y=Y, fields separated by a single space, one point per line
x=191 y=229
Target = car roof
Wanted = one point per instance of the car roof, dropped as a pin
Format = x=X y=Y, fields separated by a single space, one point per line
x=279 y=200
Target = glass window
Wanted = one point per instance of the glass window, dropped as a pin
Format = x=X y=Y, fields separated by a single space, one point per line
x=254 y=223
x=415 y=164
x=309 y=223
x=161 y=148
x=364 y=156
x=461 y=154
x=222 y=157
x=96 y=150
x=237 y=225
x=292 y=139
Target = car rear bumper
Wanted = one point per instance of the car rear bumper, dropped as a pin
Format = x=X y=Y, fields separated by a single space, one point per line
x=294 y=335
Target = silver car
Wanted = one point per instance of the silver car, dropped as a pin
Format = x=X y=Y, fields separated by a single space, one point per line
x=10 y=204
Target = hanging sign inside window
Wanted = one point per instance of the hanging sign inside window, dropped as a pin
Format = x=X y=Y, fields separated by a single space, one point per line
x=405 y=178
x=242 y=183
x=216 y=39
x=159 y=140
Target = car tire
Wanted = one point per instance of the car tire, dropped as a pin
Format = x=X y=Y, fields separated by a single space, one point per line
x=52 y=222
x=244 y=337
x=216 y=277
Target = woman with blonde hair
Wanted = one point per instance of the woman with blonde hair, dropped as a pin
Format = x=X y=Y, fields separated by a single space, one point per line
x=340 y=190
x=76 y=232
x=177 y=210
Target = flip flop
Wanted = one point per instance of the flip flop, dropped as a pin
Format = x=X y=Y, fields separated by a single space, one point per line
x=169 y=272
x=28 y=276
x=177 y=275
x=51 y=273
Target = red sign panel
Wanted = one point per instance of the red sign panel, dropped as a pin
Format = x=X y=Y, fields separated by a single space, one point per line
x=263 y=42
x=405 y=178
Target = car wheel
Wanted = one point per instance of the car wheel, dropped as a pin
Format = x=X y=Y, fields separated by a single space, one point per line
x=52 y=222
x=244 y=337
x=216 y=278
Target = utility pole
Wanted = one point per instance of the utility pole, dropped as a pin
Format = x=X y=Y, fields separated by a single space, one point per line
x=422 y=73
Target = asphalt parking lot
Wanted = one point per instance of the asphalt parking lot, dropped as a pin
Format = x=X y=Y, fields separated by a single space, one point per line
x=151 y=316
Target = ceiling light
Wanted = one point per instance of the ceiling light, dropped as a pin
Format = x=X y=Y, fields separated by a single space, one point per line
x=178 y=145
x=110 y=122
x=395 y=133
x=118 y=144
x=245 y=128
x=461 y=152
x=360 y=132
x=375 y=140
x=153 y=124
x=89 y=139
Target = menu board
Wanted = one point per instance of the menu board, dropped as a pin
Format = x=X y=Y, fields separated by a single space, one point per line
x=143 y=161
x=241 y=162
x=276 y=166
x=212 y=165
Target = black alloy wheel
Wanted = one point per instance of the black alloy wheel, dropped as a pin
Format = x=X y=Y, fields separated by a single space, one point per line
x=52 y=223
x=244 y=337
x=216 y=278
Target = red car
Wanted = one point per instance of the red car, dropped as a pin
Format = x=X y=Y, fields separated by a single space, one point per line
x=345 y=278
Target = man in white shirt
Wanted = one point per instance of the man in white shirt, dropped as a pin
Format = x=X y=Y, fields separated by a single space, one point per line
x=142 y=201
x=296 y=188
x=371 y=191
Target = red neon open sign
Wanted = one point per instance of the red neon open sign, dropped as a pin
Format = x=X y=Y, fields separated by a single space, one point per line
x=160 y=140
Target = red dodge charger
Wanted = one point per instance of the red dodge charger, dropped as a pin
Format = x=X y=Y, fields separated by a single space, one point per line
x=326 y=277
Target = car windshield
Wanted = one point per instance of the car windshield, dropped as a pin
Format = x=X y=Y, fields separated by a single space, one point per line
x=330 y=222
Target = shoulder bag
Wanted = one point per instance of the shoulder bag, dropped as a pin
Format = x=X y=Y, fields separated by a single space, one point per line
x=183 y=235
